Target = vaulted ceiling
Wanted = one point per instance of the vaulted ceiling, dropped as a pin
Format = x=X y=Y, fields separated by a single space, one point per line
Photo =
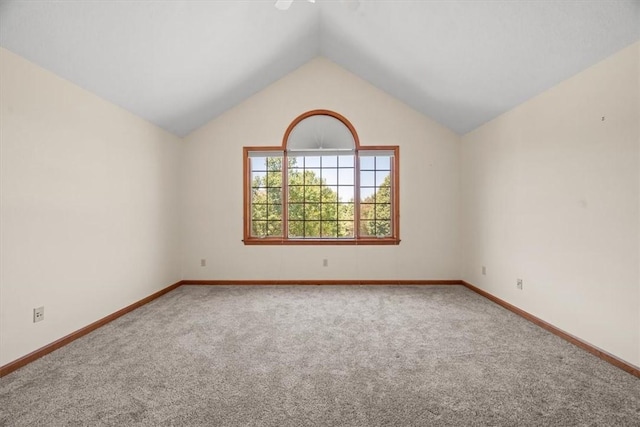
x=180 y=64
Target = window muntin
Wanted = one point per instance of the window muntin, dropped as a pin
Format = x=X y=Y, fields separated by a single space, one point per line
x=266 y=196
x=321 y=196
x=375 y=196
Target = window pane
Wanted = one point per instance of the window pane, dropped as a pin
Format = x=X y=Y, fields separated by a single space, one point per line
x=383 y=195
x=294 y=161
x=383 y=163
x=383 y=211
x=274 y=212
x=329 y=229
x=296 y=211
x=296 y=193
x=274 y=163
x=346 y=161
x=367 y=211
x=329 y=161
x=367 y=179
x=312 y=211
x=259 y=205
x=329 y=194
x=312 y=193
x=383 y=228
x=367 y=163
x=345 y=193
x=259 y=211
x=378 y=228
x=367 y=194
x=383 y=178
x=258 y=192
x=329 y=211
x=367 y=228
x=346 y=211
x=259 y=228
x=274 y=195
x=312 y=229
x=258 y=163
x=311 y=176
x=295 y=176
x=346 y=229
x=311 y=162
x=258 y=179
x=296 y=229
x=274 y=228
x=274 y=179
x=330 y=176
x=345 y=176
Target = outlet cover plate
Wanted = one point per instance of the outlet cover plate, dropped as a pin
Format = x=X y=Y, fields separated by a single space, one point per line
x=38 y=314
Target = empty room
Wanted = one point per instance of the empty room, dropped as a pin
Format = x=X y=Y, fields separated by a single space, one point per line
x=319 y=213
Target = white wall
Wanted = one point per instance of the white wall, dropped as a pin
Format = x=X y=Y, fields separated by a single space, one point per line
x=89 y=207
x=551 y=195
x=429 y=193
x=95 y=200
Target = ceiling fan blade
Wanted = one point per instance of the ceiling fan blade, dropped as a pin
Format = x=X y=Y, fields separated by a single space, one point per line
x=283 y=4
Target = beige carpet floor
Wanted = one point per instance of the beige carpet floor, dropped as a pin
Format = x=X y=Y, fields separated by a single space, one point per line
x=320 y=356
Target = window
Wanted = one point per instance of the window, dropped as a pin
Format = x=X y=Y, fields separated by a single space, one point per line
x=321 y=187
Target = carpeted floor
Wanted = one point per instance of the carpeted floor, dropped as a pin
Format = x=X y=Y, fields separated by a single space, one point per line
x=321 y=356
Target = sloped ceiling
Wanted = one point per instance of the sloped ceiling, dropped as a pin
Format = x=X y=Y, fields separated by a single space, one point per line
x=180 y=64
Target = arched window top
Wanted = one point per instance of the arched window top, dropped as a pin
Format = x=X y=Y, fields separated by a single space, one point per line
x=321 y=131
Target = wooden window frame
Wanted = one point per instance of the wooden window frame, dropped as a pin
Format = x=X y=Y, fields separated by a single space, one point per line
x=393 y=239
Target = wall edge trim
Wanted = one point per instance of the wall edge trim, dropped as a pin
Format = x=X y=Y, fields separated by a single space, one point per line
x=49 y=348
x=598 y=352
x=319 y=282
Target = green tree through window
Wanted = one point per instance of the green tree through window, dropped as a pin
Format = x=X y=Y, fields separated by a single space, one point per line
x=319 y=199
x=314 y=207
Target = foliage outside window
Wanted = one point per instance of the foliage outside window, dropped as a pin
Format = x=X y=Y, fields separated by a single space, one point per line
x=321 y=196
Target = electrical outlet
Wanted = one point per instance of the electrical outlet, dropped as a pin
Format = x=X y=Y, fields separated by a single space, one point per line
x=38 y=314
x=325 y=262
x=203 y=262
x=519 y=284
x=484 y=270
